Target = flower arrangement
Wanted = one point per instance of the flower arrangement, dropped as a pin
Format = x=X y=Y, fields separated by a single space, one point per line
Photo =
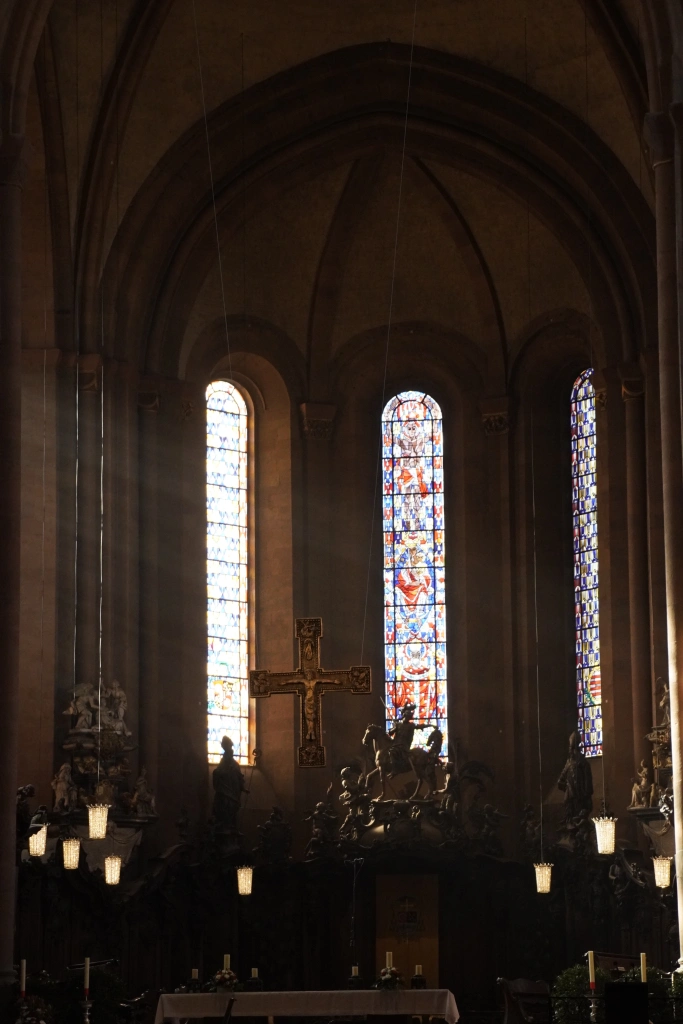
x=225 y=979
x=389 y=978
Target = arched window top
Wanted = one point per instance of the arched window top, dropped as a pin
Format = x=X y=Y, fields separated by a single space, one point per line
x=586 y=569
x=414 y=563
x=410 y=405
x=227 y=551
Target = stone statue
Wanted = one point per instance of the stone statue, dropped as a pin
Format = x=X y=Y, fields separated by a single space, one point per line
x=576 y=782
x=529 y=832
x=183 y=824
x=143 y=802
x=228 y=786
x=355 y=798
x=82 y=706
x=24 y=809
x=275 y=839
x=114 y=708
x=323 y=835
x=401 y=736
x=66 y=792
x=641 y=792
x=665 y=705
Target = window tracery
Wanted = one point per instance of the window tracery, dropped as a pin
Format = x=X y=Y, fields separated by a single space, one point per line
x=585 y=539
x=227 y=545
x=414 y=561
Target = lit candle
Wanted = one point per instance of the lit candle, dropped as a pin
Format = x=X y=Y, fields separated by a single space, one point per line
x=591 y=968
x=22 y=978
x=195 y=973
x=226 y=961
x=86 y=976
x=418 y=968
x=354 y=971
x=254 y=972
x=390 y=959
x=643 y=967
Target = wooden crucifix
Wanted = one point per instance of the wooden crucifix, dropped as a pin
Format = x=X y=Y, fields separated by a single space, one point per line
x=310 y=681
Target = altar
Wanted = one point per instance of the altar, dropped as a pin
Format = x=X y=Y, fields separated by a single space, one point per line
x=435 y=1002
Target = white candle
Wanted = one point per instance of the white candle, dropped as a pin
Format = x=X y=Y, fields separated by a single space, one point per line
x=418 y=968
x=195 y=973
x=226 y=961
x=643 y=967
x=354 y=970
x=591 y=968
x=86 y=976
x=254 y=972
x=390 y=959
x=22 y=978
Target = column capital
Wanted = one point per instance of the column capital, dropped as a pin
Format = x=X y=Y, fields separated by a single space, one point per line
x=659 y=137
x=317 y=419
x=495 y=415
x=89 y=372
x=632 y=381
x=13 y=167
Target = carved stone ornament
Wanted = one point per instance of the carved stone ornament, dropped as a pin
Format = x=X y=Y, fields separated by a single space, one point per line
x=495 y=415
x=317 y=420
x=148 y=401
x=495 y=423
x=310 y=681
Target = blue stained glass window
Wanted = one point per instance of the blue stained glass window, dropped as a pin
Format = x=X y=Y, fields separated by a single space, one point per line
x=414 y=562
x=585 y=535
x=227 y=582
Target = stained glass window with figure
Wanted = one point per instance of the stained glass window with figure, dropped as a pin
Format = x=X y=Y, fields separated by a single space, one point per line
x=227 y=425
x=414 y=562
x=585 y=537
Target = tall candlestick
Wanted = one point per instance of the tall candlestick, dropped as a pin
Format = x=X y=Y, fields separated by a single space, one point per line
x=226 y=961
x=86 y=976
x=354 y=970
x=254 y=972
x=591 y=968
x=643 y=967
x=195 y=973
x=390 y=959
x=22 y=978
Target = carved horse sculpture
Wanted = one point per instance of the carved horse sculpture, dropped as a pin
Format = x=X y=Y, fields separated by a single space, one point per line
x=423 y=762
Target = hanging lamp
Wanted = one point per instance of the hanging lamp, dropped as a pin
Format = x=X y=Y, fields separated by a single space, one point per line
x=71 y=853
x=245 y=877
x=37 y=843
x=662 y=866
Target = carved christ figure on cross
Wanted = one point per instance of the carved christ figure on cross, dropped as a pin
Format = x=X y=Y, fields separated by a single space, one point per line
x=310 y=681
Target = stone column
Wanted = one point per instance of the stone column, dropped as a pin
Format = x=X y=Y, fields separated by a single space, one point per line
x=11 y=175
x=633 y=395
x=148 y=405
x=660 y=140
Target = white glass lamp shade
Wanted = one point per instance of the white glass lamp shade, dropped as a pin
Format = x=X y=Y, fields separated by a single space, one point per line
x=71 y=852
x=97 y=820
x=245 y=877
x=662 y=867
x=112 y=870
x=37 y=843
x=605 y=833
x=543 y=876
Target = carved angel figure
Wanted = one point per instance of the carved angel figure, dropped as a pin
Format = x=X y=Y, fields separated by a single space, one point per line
x=65 y=790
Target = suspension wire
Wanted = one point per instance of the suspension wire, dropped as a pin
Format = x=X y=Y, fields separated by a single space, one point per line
x=101 y=543
x=77 y=409
x=378 y=467
x=44 y=442
x=538 y=683
x=213 y=188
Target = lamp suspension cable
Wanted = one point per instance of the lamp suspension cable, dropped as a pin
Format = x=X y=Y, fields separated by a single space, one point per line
x=213 y=187
x=378 y=466
x=538 y=672
x=77 y=347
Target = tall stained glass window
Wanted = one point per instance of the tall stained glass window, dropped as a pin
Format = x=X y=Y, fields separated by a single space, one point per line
x=414 y=594
x=585 y=528
x=226 y=569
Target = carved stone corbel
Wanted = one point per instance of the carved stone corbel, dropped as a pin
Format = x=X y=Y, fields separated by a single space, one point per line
x=317 y=419
x=632 y=382
x=495 y=415
x=89 y=373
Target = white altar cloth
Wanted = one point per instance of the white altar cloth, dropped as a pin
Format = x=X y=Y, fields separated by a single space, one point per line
x=429 y=1002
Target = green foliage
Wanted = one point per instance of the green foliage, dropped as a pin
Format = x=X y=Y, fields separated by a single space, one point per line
x=570 y=991
x=106 y=992
x=572 y=985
